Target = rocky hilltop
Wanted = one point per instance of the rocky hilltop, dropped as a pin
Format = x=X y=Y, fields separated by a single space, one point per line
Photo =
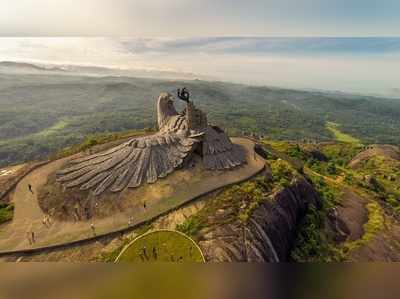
x=385 y=151
x=270 y=232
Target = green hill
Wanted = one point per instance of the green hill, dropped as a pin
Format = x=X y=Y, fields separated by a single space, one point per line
x=41 y=113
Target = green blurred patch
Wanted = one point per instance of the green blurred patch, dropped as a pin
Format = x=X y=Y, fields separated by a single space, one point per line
x=191 y=226
x=282 y=172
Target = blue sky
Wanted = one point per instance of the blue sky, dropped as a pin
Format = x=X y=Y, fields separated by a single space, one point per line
x=187 y=18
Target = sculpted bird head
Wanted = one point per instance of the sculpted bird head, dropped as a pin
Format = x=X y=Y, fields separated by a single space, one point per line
x=165 y=108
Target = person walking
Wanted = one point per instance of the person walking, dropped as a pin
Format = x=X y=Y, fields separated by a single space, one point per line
x=144 y=251
x=93 y=229
x=44 y=221
x=30 y=188
x=33 y=237
x=48 y=219
x=155 y=256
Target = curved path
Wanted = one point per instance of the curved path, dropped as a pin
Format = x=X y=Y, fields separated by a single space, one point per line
x=28 y=216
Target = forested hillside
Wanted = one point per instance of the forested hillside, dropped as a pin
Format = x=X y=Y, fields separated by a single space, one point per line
x=41 y=114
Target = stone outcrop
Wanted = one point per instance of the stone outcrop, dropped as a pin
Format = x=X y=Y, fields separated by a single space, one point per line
x=384 y=150
x=269 y=233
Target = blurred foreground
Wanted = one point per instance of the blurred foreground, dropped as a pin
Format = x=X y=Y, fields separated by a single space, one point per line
x=169 y=281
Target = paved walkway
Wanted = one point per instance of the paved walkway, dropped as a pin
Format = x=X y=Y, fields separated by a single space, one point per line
x=28 y=216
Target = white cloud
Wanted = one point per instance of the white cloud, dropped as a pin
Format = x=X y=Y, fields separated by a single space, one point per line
x=174 y=18
x=320 y=64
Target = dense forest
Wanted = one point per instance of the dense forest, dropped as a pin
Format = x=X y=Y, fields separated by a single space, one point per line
x=41 y=114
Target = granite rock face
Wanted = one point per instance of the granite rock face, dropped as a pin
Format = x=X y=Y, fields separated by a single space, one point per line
x=269 y=233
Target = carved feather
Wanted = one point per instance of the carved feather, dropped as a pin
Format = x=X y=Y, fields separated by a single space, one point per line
x=218 y=151
x=139 y=160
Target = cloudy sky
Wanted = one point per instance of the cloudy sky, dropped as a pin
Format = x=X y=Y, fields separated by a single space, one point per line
x=184 y=18
x=228 y=40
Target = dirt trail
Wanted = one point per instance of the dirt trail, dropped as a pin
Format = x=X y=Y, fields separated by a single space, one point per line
x=28 y=215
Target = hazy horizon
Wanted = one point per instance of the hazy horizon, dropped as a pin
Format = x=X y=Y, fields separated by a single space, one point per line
x=354 y=65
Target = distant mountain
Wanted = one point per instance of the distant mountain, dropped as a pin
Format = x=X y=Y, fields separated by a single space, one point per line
x=24 y=67
x=13 y=67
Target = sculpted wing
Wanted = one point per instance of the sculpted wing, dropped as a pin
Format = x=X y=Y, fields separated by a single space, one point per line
x=139 y=160
x=219 y=152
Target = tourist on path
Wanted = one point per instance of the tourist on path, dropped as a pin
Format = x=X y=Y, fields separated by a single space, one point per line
x=93 y=228
x=44 y=221
x=155 y=253
x=30 y=188
x=144 y=251
x=48 y=219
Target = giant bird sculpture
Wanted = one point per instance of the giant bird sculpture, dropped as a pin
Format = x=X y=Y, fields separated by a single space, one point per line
x=145 y=159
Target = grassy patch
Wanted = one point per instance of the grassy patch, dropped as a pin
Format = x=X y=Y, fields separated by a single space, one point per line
x=111 y=256
x=191 y=226
x=386 y=173
x=282 y=172
x=340 y=153
x=59 y=126
x=162 y=246
x=291 y=149
x=375 y=222
x=339 y=135
x=233 y=203
x=312 y=244
x=6 y=212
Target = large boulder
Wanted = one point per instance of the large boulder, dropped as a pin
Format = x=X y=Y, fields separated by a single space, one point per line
x=269 y=233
